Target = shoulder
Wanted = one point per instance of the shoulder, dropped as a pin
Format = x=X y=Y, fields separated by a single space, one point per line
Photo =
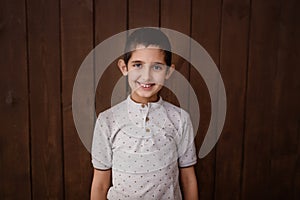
x=108 y=115
x=174 y=110
x=176 y=114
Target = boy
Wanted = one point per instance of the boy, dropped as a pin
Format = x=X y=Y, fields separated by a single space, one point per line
x=144 y=145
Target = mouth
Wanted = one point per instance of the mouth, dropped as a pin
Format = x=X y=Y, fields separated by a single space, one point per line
x=146 y=85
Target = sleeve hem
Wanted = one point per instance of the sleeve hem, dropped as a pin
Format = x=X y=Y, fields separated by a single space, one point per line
x=188 y=164
x=102 y=169
x=100 y=166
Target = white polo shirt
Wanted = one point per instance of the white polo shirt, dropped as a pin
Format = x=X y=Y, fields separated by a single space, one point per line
x=143 y=145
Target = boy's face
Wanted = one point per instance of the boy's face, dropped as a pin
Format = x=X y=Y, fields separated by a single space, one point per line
x=147 y=71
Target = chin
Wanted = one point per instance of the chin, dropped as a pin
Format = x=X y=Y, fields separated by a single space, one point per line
x=145 y=95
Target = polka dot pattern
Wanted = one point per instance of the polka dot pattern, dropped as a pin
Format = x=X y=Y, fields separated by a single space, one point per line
x=144 y=147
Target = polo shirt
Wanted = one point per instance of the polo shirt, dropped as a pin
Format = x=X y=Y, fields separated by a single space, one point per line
x=144 y=145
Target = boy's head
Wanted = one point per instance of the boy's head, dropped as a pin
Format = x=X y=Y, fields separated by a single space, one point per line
x=145 y=37
x=147 y=62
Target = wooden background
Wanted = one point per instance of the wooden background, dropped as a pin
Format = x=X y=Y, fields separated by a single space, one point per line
x=255 y=44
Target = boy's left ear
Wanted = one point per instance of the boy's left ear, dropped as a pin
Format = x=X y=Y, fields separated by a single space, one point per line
x=170 y=71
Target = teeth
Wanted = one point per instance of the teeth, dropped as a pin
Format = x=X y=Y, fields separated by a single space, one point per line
x=145 y=85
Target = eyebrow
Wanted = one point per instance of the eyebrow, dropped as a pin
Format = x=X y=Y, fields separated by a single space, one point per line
x=139 y=61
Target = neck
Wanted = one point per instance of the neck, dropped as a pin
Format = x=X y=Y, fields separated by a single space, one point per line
x=144 y=100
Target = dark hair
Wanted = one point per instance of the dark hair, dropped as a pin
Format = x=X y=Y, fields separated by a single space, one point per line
x=147 y=37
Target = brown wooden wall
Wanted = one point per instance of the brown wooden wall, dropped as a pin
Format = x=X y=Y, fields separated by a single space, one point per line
x=255 y=44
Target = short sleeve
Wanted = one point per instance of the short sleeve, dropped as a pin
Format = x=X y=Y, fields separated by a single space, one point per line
x=101 y=146
x=186 y=146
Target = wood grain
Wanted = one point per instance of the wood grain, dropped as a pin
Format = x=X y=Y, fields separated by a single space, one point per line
x=206 y=28
x=143 y=13
x=77 y=41
x=261 y=100
x=45 y=112
x=178 y=21
x=105 y=11
x=15 y=135
x=233 y=68
x=254 y=43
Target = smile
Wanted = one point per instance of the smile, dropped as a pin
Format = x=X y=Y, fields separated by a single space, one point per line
x=146 y=85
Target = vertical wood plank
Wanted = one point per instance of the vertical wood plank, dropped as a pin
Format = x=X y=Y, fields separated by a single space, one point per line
x=143 y=13
x=14 y=118
x=179 y=20
x=77 y=42
x=45 y=102
x=285 y=102
x=259 y=98
x=174 y=18
x=296 y=179
x=233 y=68
x=285 y=130
x=206 y=27
x=260 y=94
x=105 y=10
x=266 y=85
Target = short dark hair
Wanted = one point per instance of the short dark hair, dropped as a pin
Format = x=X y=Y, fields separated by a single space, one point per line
x=148 y=36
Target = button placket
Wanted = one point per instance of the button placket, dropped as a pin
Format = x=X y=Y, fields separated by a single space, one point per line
x=145 y=118
x=142 y=115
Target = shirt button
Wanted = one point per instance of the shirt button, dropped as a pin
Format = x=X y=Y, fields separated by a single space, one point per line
x=147 y=130
x=143 y=105
x=147 y=119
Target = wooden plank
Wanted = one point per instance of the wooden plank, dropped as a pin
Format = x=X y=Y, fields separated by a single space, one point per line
x=296 y=179
x=261 y=99
x=45 y=112
x=143 y=13
x=14 y=118
x=206 y=27
x=171 y=18
x=77 y=42
x=285 y=130
x=105 y=10
x=233 y=68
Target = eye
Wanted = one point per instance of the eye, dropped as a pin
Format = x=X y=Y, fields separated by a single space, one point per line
x=137 y=65
x=157 y=67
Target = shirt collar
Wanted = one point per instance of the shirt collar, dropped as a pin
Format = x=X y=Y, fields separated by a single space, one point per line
x=138 y=112
x=149 y=119
x=132 y=105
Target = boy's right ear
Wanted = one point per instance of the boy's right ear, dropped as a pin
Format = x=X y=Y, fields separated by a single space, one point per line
x=122 y=66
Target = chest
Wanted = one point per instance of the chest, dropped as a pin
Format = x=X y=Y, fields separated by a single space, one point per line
x=143 y=153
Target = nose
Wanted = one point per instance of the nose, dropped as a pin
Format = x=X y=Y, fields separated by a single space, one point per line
x=146 y=73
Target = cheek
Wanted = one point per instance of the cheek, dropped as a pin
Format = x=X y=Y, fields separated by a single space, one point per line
x=159 y=79
x=133 y=75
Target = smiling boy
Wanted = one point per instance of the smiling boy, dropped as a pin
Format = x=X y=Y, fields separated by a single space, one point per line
x=144 y=145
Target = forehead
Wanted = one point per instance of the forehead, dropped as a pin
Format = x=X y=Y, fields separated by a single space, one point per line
x=148 y=54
